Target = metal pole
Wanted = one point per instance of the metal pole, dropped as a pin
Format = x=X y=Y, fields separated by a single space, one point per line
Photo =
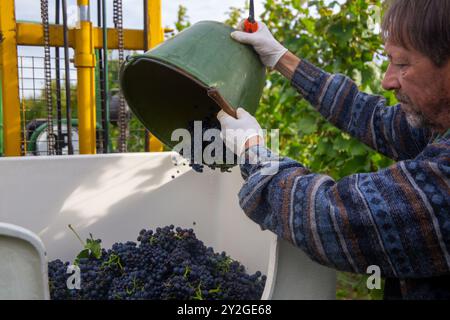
x=85 y=63
x=155 y=36
x=146 y=47
x=1 y=116
x=98 y=84
x=67 y=70
x=10 y=79
x=146 y=42
x=59 y=143
x=105 y=84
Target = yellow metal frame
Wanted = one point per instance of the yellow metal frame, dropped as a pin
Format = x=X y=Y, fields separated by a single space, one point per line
x=155 y=37
x=85 y=64
x=84 y=40
x=10 y=79
x=32 y=34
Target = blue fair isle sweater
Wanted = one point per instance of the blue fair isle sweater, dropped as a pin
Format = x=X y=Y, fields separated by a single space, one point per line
x=397 y=218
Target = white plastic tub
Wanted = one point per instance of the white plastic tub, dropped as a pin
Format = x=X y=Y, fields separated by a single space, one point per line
x=115 y=196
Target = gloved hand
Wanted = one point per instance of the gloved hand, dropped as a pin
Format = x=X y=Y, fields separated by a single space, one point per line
x=236 y=132
x=269 y=50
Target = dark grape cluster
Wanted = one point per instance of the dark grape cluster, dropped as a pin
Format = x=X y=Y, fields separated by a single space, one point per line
x=209 y=123
x=168 y=263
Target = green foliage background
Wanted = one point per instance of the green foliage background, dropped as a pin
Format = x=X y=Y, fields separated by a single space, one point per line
x=339 y=38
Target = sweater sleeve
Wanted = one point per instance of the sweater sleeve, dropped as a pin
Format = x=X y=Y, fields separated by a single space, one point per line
x=363 y=116
x=397 y=218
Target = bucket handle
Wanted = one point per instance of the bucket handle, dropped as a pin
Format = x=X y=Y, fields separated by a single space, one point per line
x=214 y=94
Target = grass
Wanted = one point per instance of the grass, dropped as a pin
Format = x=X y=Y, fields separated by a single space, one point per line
x=352 y=286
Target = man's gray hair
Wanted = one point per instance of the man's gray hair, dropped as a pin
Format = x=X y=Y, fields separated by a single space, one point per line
x=423 y=25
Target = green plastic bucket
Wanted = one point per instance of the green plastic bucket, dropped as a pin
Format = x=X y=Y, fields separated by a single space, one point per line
x=191 y=77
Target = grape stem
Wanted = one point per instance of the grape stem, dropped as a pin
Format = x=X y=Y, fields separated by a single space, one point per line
x=76 y=234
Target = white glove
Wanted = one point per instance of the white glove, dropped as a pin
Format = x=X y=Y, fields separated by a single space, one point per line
x=269 y=50
x=236 y=132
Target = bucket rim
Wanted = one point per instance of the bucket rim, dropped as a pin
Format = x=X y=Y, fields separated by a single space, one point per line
x=211 y=91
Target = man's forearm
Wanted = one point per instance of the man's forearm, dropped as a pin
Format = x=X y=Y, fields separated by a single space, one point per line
x=287 y=65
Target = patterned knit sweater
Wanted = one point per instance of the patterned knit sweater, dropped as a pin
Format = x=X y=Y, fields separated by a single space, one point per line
x=397 y=218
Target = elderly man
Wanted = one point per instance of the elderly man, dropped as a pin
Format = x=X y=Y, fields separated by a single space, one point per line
x=397 y=218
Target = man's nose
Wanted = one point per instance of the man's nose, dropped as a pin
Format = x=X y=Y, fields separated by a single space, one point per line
x=390 y=81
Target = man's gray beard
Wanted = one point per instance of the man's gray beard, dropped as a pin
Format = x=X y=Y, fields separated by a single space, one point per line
x=418 y=121
x=415 y=120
